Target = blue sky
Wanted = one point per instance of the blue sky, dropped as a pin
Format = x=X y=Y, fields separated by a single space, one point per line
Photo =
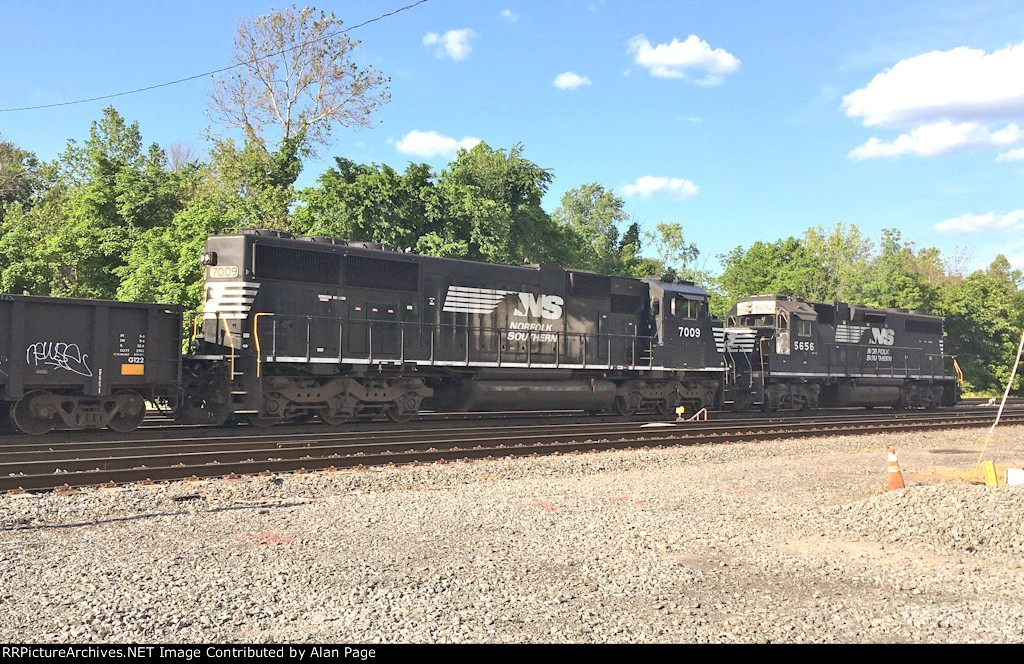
x=740 y=120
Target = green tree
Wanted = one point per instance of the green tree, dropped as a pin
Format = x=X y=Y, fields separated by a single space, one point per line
x=838 y=259
x=296 y=79
x=983 y=324
x=675 y=256
x=26 y=266
x=492 y=207
x=782 y=267
x=901 y=276
x=592 y=215
x=164 y=266
x=262 y=183
x=21 y=175
x=116 y=190
x=372 y=203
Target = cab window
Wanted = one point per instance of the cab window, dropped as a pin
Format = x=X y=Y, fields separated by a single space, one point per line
x=762 y=320
x=686 y=308
x=803 y=327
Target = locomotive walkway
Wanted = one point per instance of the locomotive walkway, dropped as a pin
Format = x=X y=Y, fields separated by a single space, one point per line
x=31 y=464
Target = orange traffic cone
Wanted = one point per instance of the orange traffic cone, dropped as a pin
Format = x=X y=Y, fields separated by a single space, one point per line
x=894 y=473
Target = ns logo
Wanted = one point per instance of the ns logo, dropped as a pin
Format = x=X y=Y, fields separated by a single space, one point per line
x=882 y=336
x=539 y=306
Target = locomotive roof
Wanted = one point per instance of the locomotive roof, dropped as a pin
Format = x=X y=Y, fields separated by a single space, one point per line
x=909 y=313
x=789 y=302
x=687 y=289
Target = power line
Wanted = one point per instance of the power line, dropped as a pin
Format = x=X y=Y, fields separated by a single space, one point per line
x=215 y=71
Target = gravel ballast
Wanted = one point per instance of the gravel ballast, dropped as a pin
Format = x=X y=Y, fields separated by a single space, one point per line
x=771 y=541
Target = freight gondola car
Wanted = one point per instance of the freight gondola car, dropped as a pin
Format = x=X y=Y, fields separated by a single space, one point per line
x=296 y=328
x=786 y=353
x=86 y=364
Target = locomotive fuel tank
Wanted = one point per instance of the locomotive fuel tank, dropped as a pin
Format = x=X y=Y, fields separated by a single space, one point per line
x=866 y=395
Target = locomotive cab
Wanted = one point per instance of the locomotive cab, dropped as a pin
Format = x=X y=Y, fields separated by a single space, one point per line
x=771 y=335
x=789 y=353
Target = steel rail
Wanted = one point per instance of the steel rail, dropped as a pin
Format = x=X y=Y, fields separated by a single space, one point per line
x=133 y=466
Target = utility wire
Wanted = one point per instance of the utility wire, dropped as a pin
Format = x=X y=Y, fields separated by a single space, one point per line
x=216 y=71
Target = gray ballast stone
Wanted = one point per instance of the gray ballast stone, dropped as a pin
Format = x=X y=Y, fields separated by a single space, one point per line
x=790 y=540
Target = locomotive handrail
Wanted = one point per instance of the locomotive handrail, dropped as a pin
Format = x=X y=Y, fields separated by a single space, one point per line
x=907 y=368
x=227 y=338
x=374 y=350
x=256 y=339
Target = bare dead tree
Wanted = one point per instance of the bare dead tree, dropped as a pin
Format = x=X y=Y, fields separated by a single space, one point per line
x=297 y=79
x=180 y=154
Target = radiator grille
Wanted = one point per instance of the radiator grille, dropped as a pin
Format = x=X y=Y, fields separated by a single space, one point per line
x=318 y=267
x=381 y=273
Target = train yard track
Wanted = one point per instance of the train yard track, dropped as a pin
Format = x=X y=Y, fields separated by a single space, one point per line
x=32 y=464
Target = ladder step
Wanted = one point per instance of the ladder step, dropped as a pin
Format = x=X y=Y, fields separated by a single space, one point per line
x=239 y=392
x=246 y=412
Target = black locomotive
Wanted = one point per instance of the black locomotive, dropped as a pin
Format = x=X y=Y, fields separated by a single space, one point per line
x=297 y=328
x=788 y=353
x=317 y=326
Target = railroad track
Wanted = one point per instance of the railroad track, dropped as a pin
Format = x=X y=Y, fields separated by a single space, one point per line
x=158 y=425
x=41 y=464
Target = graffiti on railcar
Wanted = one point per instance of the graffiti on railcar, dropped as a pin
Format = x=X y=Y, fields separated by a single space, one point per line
x=60 y=355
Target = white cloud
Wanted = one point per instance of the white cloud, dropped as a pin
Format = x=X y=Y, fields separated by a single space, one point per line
x=976 y=223
x=1012 y=155
x=687 y=59
x=453 y=44
x=647 y=185
x=938 y=138
x=569 y=80
x=962 y=84
x=432 y=144
x=509 y=15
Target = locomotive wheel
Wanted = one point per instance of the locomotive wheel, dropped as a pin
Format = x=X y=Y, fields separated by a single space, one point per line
x=398 y=416
x=627 y=406
x=131 y=413
x=33 y=423
x=665 y=408
x=332 y=420
x=403 y=410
